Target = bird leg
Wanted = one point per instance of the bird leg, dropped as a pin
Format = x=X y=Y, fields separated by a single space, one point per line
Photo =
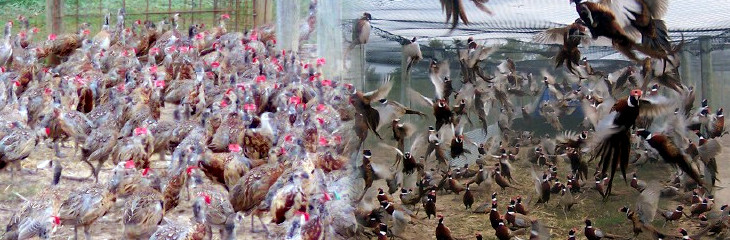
x=76 y=146
x=87 y=233
x=58 y=150
x=93 y=170
x=99 y=164
x=76 y=233
x=263 y=225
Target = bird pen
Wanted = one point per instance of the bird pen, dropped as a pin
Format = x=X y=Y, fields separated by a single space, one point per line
x=510 y=27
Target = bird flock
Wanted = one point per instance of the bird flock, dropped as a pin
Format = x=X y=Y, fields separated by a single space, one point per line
x=185 y=130
x=639 y=118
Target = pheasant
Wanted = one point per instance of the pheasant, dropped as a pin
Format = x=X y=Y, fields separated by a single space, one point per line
x=84 y=206
x=252 y=188
x=180 y=231
x=39 y=215
x=211 y=207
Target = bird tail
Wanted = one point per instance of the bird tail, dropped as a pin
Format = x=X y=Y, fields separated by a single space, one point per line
x=659 y=40
x=683 y=163
x=567 y=58
x=614 y=153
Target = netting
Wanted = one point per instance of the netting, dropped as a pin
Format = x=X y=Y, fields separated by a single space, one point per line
x=520 y=19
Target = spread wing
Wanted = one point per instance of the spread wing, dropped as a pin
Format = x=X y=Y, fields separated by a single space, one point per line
x=419 y=98
x=654 y=106
x=382 y=91
x=551 y=36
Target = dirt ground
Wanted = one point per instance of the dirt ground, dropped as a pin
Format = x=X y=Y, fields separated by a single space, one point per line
x=463 y=223
x=32 y=181
x=605 y=214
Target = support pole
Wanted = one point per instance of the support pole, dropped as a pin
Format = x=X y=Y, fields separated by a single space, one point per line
x=329 y=35
x=287 y=27
x=54 y=22
x=706 y=69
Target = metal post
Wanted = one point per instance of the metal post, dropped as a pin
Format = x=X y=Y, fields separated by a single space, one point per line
x=685 y=67
x=147 y=10
x=706 y=68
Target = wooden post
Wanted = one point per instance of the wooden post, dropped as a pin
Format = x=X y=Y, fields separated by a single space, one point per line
x=54 y=9
x=215 y=10
x=77 y=14
x=237 y=14
x=147 y=10
x=287 y=28
x=329 y=34
x=254 y=12
x=706 y=68
x=54 y=22
x=192 y=15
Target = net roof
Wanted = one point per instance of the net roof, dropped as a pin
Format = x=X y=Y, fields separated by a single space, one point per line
x=396 y=20
x=521 y=19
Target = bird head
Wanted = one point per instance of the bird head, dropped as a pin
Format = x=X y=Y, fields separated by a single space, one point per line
x=588 y=223
x=367 y=153
x=643 y=133
x=624 y=209
x=367 y=16
x=571 y=233
x=680 y=208
x=719 y=112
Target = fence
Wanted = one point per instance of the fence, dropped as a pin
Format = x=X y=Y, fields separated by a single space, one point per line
x=67 y=15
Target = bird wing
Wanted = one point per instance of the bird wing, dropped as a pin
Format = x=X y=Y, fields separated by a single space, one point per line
x=648 y=202
x=467 y=93
x=657 y=7
x=438 y=84
x=382 y=91
x=551 y=36
x=536 y=179
x=386 y=146
x=624 y=11
x=480 y=4
x=418 y=144
x=710 y=149
x=503 y=68
x=419 y=98
x=654 y=106
x=387 y=113
x=480 y=54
